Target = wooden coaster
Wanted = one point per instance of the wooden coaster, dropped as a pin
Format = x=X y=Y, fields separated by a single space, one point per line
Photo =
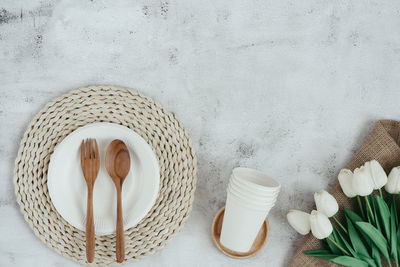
x=258 y=244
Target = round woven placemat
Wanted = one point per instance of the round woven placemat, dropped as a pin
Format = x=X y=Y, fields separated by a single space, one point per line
x=165 y=134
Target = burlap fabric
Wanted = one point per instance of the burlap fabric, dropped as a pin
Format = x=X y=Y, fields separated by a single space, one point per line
x=381 y=144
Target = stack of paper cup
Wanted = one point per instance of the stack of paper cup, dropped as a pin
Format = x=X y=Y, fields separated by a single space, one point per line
x=251 y=195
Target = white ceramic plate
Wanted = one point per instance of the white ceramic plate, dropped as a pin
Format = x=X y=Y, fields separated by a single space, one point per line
x=67 y=186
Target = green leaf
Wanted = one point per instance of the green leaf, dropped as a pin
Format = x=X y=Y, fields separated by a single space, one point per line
x=343 y=242
x=393 y=235
x=398 y=241
x=354 y=217
x=339 y=240
x=317 y=251
x=369 y=215
x=389 y=201
x=332 y=246
x=376 y=255
x=397 y=211
x=384 y=215
x=355 y=239
x=349 y=261
x=368 y=260
x=370 y=218
x=375 y=236
x=321 y=254
x=378 y=225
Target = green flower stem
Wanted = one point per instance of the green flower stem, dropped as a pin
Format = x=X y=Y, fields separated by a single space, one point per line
x=341 y=225
x=361 y=207
x=338 y=246
x=395 y=211
x=370 y=210
x=380 y=193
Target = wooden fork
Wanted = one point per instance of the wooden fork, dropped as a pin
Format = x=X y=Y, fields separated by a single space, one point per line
x=90 y=163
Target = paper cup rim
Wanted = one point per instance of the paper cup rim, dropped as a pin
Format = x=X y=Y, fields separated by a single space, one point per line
x=259 y=179
x=253 y=204
x=250 y=197
x=254 y=195
x=262 y=193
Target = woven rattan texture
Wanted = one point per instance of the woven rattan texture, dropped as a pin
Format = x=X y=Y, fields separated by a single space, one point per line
x=165 y=134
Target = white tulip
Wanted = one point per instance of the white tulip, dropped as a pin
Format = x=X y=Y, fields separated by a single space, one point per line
x=378 y=174
x=321 y=227
x=346 y=182
x=393 y=184
x=299 y=220
x=362 y=181
x=326 y=203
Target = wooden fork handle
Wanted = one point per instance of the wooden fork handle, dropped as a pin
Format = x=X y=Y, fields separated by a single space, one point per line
x=90 y=226
x=120 y=247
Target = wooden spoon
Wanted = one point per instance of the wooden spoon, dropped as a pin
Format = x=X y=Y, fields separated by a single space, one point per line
x=118 y=163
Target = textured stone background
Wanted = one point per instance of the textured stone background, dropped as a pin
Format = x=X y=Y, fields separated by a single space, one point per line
x=288 y=87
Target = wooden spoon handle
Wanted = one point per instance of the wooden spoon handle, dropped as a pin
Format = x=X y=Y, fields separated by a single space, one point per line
x=120 y=229
x=90 y=226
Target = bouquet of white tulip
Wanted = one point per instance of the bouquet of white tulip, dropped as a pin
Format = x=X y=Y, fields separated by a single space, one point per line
x=368 y=234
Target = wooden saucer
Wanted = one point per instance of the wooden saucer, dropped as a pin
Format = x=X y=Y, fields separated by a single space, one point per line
x=258 y=244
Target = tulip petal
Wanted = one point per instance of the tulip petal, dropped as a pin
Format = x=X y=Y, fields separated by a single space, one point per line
x=321 y=227
x=326 y=203
x=346 y=182
x=362 y=181
x=378 y=174
x=393 y=184
x=299 y=220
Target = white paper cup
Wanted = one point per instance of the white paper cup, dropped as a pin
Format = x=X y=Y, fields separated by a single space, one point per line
x=251 y=199
x=245 y=186
x=250 y=204
x=247 y=204
x=241 y=224
x=251 y=192
x=256 y=180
